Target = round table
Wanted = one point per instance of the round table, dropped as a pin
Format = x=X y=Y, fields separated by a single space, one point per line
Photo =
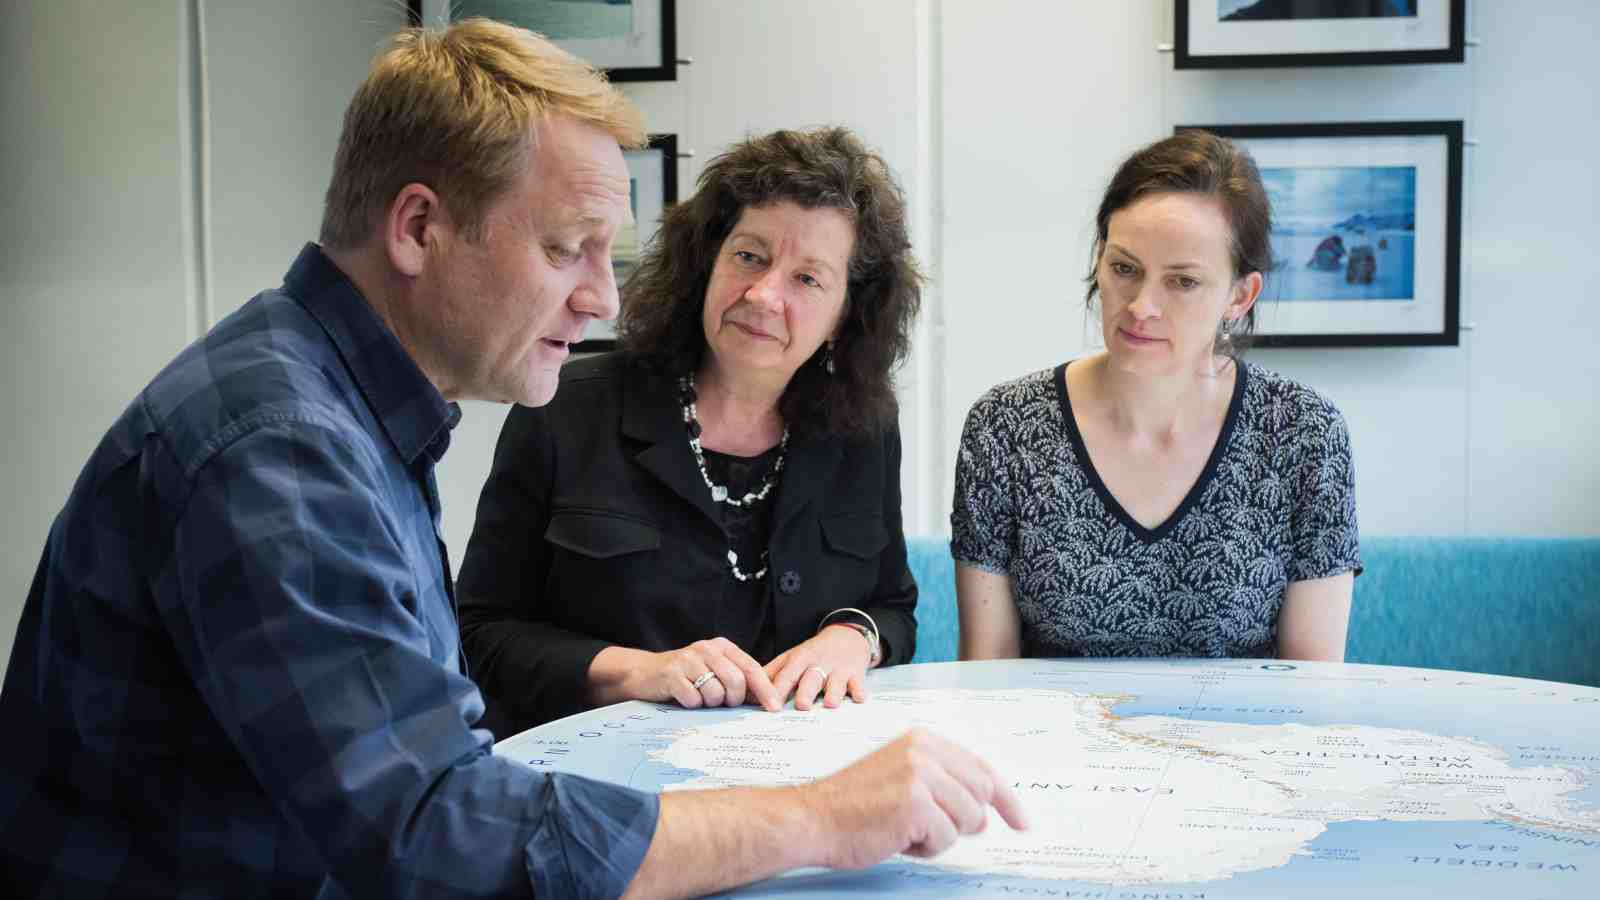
x=1222 y=779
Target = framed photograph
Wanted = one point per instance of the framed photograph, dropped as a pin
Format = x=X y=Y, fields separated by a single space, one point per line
x=652 y=187
x=1366 y=232
x=632 y=40
x=1255 y=34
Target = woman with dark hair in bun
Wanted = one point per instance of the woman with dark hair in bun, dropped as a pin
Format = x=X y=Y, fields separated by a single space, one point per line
x=1162 y=497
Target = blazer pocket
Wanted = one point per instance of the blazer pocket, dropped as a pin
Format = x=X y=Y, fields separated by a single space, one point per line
x=860 y=535
x=601 y=535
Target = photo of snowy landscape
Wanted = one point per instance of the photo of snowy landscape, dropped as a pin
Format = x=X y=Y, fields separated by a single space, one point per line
x=1343 y=233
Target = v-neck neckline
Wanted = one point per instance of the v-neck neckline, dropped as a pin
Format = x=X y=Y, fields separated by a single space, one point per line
x=1151 y=535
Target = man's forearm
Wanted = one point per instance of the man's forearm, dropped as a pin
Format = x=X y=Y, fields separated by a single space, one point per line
x=913 y=796
x=708 y=841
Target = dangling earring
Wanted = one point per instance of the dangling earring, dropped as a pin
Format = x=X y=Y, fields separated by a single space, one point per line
x=1224 y=346
x=827 y=357
x=1225 y=336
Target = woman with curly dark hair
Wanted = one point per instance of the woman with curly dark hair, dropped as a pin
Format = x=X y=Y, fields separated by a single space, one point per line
x=711 y=515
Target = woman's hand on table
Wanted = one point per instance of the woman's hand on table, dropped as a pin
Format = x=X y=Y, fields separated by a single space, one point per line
x=712 y=672
x=832 y=664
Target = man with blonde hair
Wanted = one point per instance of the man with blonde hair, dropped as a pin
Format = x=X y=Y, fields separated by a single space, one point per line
x=238 y=670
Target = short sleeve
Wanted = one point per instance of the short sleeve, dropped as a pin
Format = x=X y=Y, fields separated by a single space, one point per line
x=983 y=520
x=1323 y=526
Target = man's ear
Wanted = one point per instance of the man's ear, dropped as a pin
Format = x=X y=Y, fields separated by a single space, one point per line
x=407 y=226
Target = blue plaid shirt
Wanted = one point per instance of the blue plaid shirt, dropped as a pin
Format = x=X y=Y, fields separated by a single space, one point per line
x=238 y=672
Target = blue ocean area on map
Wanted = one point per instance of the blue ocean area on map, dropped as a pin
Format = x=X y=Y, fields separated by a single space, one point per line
x=1445 y=859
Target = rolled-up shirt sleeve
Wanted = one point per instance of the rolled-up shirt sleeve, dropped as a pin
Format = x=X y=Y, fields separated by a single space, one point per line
x=297 y=610
x=592 y=838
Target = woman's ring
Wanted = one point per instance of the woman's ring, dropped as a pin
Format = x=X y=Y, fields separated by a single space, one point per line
x=819 y=670
x=703 y=679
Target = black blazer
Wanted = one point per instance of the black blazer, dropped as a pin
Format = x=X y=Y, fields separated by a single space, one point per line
x=595 y=528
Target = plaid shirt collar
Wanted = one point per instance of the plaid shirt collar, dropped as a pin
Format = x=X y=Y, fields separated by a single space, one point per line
x=414 y=415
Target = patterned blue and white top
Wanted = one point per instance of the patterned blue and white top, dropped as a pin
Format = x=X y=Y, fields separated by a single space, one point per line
x=1274 y=504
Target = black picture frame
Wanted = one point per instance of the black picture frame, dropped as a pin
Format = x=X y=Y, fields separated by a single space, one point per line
x=1337 y=159
x=654 y=165
x=1191 y=49
x=662 y=67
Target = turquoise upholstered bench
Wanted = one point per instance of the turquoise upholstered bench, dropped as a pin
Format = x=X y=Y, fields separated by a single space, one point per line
x=1508 y=606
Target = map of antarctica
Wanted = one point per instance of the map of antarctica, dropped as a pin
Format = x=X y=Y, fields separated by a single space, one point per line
x=1167 y=779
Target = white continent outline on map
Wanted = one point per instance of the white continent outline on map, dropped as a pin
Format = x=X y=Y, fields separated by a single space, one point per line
x=1217 y=798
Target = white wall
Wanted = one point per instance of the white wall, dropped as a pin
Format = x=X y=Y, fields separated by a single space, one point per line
x=94 y=287
x=1003 y=119
x=278 y=77
x=1532 y=416
x=103 y=274
x=1040 y=102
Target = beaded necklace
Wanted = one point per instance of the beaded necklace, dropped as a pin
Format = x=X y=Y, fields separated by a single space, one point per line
x=719 y=493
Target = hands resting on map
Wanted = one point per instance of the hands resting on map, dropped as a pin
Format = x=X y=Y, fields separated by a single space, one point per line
x=833 y=664
x=914 y=796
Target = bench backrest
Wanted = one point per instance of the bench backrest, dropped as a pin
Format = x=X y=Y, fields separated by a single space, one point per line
x=1508 y=606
